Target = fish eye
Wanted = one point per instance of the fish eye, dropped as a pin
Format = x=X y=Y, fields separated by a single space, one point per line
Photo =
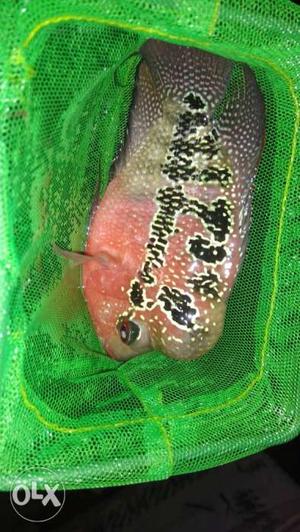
x=129 y=331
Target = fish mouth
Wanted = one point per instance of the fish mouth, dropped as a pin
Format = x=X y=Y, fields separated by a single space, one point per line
x=118 y=350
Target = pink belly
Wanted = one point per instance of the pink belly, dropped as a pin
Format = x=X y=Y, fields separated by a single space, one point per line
x=119 y=229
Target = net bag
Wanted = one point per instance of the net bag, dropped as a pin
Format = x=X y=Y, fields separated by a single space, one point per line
x=66 y=406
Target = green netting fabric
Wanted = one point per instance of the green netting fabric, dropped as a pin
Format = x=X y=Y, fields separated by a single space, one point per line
x=64 y=405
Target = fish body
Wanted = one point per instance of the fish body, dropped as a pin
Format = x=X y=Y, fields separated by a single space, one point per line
x=169 y=235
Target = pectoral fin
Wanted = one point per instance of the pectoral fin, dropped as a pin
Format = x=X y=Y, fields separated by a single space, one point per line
x=78 y=257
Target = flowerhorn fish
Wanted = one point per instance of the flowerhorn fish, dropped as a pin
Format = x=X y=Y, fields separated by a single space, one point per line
x=166 y=241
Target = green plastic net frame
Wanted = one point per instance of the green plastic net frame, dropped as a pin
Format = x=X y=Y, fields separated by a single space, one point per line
x=66 y=92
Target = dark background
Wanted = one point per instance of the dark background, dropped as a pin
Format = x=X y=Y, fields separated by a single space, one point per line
x=240 y=501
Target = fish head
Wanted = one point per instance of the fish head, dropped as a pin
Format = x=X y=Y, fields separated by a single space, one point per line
x=178 y=323
x=132 y=336
x=175 y=320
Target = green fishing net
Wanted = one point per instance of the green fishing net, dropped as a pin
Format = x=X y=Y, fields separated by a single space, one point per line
x=67 y=79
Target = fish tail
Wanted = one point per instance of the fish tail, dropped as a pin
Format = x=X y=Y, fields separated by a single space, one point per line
x=180 y=69
x=241 y=121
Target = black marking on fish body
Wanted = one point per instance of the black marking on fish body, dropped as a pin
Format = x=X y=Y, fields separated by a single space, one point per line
x=205 y=283
x=188 y=123
x=178 y=306
x=158 y=246
x=145 y=274
x=170 y=202
x=202 y=249
x=183 y=149
x=216 y=216
x=178 y=166
x=178 y=170
x=136 y=294
x=218 y=219
x=207 y=146
x=188 y=140
x=194 y=101
x=219 y=175
x=215 y=133
x=198 y=120
x=184 y=143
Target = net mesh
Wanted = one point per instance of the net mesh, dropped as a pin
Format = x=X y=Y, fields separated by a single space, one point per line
x=66 y=92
